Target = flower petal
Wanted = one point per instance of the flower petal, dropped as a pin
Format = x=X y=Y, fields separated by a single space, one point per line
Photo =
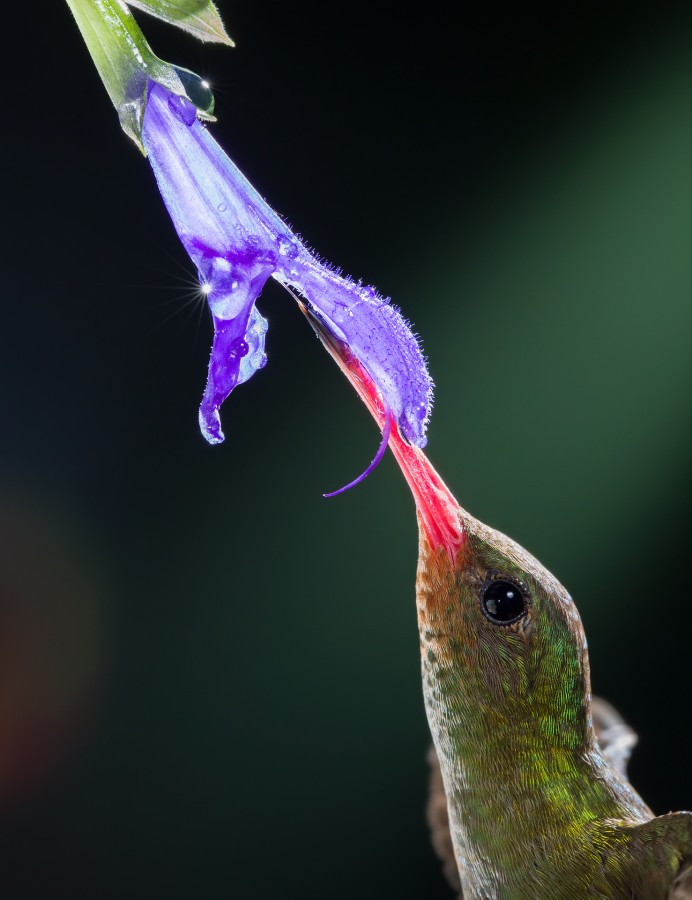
x=213 y=206
x=237 y=242
x=377 y=335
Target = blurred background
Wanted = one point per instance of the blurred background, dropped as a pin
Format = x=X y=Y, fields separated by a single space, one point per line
x=209 y=675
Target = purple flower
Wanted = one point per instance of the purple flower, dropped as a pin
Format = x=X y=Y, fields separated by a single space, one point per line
x=237 y=242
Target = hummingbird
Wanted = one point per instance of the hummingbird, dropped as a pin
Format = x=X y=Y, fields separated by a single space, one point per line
x=529 y=796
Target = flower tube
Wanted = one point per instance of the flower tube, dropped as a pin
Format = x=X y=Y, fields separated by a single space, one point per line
x=237 y=242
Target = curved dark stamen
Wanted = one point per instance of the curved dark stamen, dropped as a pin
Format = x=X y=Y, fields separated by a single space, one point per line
x=378 y=456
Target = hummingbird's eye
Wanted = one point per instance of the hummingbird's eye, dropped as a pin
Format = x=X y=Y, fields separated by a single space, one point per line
x=503 y=601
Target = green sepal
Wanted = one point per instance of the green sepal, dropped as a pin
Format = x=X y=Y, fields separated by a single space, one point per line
x=126 y=63
x=198 y=17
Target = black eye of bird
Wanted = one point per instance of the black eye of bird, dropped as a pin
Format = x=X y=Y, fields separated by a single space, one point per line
x=503 y=601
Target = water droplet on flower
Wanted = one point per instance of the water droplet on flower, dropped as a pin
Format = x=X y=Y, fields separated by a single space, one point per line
x=239 y=347
x=225 y=286
x=222 y=207
x=287 y=248
x=182 y=109
x=225 y=305
x=196 y=89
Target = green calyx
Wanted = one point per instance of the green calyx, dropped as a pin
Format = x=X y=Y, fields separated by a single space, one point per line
x=126 y=62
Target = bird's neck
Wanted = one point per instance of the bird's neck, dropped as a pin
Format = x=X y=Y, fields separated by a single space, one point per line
x=514 y=791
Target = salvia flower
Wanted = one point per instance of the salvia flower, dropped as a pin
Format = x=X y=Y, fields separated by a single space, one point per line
x=237 y=242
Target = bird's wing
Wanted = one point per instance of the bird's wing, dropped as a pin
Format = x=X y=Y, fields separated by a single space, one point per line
x=682 y=886
x=615 y=737
x=438 y=822
x=662 y=847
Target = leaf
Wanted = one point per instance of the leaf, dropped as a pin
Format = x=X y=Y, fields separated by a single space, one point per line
x=198 y=17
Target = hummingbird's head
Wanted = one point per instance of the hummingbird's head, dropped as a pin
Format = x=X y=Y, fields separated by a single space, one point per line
x=500 y=631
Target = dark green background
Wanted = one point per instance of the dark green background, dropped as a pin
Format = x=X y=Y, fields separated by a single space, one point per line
x=209 y=676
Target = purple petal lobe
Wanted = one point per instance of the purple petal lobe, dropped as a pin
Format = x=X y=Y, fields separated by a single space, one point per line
x=239 y=329
x=237 y=353
x=377 y=335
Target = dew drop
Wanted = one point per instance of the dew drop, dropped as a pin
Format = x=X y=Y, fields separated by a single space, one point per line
x=182 y=109
x=222 y=207
x=239 y=347
x=287 y=248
